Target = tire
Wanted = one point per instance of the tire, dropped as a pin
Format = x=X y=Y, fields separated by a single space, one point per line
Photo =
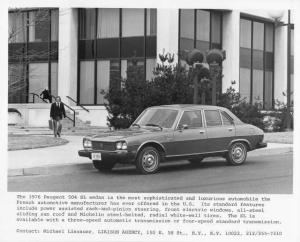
x=103 y=166
x=148 y=160
x=237 y=154
x=196 y=161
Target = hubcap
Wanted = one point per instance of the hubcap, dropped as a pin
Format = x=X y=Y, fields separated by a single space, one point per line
x=150 y=161
x=238 y=153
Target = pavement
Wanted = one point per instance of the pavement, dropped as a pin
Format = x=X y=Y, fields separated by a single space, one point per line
x=64 y=159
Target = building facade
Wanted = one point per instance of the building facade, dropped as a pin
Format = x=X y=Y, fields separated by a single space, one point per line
x=78 y=53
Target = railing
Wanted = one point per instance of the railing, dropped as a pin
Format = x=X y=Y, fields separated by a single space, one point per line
x=78 y=104
x=36 y=95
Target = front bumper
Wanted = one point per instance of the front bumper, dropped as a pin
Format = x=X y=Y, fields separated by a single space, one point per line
x=118 y=156
x=261 y=145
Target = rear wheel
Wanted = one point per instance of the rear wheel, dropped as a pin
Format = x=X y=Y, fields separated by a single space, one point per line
x=103 y=166
x=148 y=160
x=237 y=154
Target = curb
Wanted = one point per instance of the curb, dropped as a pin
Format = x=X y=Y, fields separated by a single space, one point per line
x=75 y=168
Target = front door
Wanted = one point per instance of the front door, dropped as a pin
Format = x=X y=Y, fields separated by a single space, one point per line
x=190 y=135
x=220 y=130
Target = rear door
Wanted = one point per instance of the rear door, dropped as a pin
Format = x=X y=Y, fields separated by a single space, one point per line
x=191 y=139
x=220 y=130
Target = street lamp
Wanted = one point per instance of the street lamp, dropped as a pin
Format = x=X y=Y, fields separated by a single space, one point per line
x=277 y=16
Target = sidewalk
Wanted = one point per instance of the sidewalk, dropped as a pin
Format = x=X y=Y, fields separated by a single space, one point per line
x=65 y=159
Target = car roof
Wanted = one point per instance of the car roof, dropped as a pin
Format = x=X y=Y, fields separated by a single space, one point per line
x=189 y=106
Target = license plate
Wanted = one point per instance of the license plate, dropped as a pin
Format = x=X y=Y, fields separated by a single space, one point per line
x=96 y=156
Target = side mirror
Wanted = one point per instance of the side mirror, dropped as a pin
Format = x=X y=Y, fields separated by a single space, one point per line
x=183 y=126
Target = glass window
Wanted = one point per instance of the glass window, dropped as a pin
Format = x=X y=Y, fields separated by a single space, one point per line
x=193 y=119
x=268 y=90
x=108 y=23
x=227 y=120
x=103 y=68
x=187 y=26
x=54 y=78
x=216 y=27
x=87 y=23
x=269 y=37
x=38 y=79
x=17 y=83
x=39 y=26
x=54 y=25
x=132 y=22
x=17 y=30
x=258 y=36
x=213 y=118
x=245 y=83
x=245 y=33
x=87 y=82
x=203 y=25
x=258 y=86
x=151 y=22
x=150 y=66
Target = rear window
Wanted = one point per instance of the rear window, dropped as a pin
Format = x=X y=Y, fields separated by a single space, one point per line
x=213 y=118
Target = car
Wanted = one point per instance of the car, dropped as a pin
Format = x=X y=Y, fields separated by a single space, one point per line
x=174 y=132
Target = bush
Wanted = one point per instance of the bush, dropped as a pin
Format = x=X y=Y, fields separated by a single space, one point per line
x=169 y=86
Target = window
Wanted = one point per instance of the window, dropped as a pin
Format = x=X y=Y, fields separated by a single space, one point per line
x=201 y=29
x=33 y=53
x=227 y=120
x=191 y=118
x=39 y=26
x=122 y=36
x=256 y=61
x=213 y=118
x=87 y=82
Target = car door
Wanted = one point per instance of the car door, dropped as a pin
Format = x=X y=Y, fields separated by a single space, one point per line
x=220 y=130
x=190 y=135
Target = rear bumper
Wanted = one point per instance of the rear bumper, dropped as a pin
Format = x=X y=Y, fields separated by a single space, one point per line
x=261 y=145
x=118 y=156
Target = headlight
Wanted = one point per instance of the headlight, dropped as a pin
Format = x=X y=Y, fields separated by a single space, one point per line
x=87 y=144
x=122 y=145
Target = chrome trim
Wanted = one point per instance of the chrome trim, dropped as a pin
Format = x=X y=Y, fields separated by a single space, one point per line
x=219 y=151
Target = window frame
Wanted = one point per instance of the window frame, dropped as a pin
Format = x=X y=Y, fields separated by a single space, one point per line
x=264 y=22
x=118 y=58
x=228 y=117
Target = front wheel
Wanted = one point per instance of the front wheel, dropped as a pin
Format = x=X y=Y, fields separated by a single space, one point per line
x=148 y=160
x=103 y=166
x=237 y=154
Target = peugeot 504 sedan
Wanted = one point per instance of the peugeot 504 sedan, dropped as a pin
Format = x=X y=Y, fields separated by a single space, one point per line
x=174 y=132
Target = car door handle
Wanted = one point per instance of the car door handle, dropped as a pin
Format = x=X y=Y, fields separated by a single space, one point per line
x=202 y=132
x=230 y=129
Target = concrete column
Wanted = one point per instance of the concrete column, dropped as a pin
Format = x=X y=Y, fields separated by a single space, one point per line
x=167 y=32
x=231 y=44
x=280 y=63
x=67 y=56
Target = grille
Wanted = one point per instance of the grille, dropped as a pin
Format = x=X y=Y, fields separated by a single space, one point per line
x=96 y=145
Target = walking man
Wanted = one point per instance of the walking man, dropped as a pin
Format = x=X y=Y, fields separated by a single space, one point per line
x=57 y=112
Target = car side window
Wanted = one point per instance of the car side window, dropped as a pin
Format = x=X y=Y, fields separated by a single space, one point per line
x=213 y=118
x=227 y=120
x=191 y=118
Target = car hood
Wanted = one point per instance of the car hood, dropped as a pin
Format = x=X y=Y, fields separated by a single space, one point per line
x=113 y=136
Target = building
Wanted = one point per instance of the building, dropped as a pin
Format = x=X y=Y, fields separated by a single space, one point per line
x=76 y=53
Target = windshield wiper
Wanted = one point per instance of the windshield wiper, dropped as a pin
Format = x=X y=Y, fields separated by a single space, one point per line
x=135 y=124
x=155 y=125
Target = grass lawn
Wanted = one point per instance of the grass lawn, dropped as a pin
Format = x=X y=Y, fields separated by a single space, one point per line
x=279 y=137
x=23 y=142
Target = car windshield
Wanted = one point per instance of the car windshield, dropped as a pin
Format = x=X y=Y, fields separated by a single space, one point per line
x=155 y=117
